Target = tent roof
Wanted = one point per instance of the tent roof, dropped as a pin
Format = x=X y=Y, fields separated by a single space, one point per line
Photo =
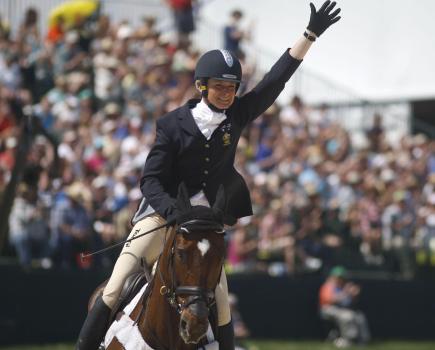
x=380 y=50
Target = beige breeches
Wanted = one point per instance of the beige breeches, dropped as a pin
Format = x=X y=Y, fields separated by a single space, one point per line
x=149 y=247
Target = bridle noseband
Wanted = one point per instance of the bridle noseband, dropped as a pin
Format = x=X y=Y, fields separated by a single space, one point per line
x=195 y=293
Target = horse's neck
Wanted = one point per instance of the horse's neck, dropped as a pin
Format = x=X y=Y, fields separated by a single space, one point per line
x=154 y=326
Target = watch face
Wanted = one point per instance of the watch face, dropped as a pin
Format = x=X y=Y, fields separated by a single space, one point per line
x=309 y=37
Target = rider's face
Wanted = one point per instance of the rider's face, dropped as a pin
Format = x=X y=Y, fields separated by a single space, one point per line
x=221 y=93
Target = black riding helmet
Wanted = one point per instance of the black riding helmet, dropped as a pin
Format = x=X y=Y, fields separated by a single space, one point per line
x=220 y=65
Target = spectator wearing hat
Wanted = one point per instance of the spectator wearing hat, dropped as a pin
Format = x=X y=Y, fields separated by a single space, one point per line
x=73 y=225
x=337 y=300
x=28 y=230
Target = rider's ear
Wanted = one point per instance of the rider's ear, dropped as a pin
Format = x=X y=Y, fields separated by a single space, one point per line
x=183 y=199
x=198 y=85
x=219 y=203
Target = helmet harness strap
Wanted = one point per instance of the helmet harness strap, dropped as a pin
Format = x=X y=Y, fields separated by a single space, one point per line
x=202 y=86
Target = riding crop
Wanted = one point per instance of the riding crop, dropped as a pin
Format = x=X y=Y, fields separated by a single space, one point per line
x=84 y=256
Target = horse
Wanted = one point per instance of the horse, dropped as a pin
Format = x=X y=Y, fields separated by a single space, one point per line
x=176 y=312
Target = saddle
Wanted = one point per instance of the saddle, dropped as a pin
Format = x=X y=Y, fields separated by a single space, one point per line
x=132 y=285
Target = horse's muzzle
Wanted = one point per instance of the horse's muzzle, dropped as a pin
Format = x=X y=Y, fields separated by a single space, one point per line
x=194 y=322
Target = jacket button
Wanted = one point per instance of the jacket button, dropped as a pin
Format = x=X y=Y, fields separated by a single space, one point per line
x=204 y=184
x=207 y=145
x=207 y=159
x=205 y=172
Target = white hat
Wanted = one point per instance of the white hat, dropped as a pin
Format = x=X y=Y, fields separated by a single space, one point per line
x=11 y=142
x=100 y=182
x=71 y=37
x=124 y=32
x=387 y=175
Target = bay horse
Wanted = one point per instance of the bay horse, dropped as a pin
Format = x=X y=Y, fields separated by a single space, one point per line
x=175 y=314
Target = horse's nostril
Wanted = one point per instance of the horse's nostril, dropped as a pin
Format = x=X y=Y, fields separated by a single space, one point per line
x=183 y=324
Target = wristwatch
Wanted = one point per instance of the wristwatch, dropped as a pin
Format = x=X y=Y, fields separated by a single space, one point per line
x=309 y=36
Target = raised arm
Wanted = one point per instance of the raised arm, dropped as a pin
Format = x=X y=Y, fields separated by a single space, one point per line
x=319 y=21
x=262 y=96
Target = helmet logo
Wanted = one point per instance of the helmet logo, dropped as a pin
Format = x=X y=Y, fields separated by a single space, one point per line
x=227 y=57
x=229 y=76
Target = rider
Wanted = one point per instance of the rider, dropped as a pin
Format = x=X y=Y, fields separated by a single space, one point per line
x=196 y=144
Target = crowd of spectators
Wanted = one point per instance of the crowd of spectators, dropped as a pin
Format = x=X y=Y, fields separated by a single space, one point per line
x=97 y=88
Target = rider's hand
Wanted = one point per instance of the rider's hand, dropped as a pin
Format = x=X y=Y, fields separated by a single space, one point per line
x=320 y=20
x=172 y=216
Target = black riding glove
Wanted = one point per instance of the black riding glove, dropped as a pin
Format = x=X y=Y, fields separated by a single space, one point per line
x=172 y=215
x=322 y=19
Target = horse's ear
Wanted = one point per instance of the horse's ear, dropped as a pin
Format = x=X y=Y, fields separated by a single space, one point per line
x=183 y=200
x=220 y=202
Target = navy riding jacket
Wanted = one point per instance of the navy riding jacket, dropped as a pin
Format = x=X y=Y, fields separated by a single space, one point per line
x=181 y=153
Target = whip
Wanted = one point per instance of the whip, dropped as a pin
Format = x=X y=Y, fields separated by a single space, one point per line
x=84 y=256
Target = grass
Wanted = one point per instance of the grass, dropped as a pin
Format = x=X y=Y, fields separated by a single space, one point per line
x=311 y=345
x=274 y=345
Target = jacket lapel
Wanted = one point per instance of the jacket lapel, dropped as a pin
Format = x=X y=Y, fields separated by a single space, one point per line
x=186 y=119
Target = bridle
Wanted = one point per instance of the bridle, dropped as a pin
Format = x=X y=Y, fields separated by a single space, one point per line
x=195 y=293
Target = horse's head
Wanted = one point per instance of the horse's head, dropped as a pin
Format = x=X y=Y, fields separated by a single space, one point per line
x=195 y=263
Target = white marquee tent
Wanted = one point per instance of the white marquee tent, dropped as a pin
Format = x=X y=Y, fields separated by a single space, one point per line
x=380 y=50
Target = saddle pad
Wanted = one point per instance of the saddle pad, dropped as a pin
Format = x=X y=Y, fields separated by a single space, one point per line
x=128 y=334
x=125 y=330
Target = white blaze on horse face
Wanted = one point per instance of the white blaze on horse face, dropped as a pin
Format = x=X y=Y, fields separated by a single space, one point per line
x=203 y=246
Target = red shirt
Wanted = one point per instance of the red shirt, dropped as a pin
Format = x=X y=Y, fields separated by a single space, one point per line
x=327 y=294
x=180 y=4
